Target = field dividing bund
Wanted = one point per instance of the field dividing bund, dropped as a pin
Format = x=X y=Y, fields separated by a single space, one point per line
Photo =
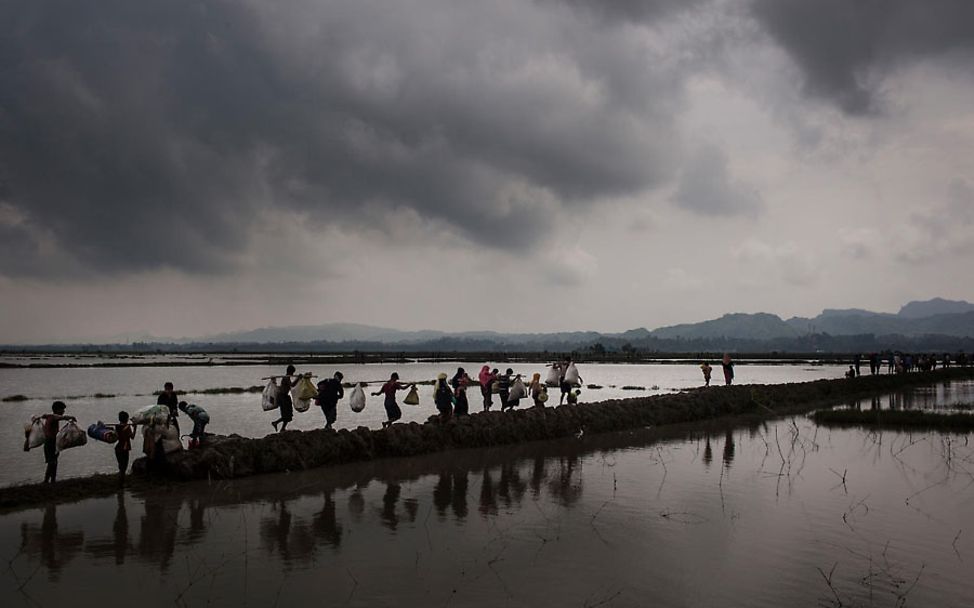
x=231 y=457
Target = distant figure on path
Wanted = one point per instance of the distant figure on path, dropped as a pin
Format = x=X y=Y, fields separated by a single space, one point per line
x=393 y=412
x=284 y=400
x=851 y=373
x=535 y=389
x=52 y=422
x=504 y=388
x=486 y=378
x=169 y=399
x=707 y=370
x=443 y=398
x=125 y=433
x=460 y=382
x=330 y=391
x=857 y=362
x=728 y=366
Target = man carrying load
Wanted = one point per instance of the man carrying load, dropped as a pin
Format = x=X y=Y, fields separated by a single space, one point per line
x=200 y=419
x=329 y=392
x=52 y=423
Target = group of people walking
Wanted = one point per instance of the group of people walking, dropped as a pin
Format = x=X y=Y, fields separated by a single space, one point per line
x=155 y=429
x=449 y=393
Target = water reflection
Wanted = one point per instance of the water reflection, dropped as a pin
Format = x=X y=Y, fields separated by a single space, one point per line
x=944 y=395
x=119 y=546
x=48 y=545
x=728 y=449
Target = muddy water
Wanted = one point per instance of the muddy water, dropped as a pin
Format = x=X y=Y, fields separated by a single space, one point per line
x=780 y=514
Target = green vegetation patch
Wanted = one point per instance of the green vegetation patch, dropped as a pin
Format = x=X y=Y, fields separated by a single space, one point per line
x=13 y=398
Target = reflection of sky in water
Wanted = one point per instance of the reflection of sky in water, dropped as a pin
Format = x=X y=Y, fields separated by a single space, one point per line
x=742 y=517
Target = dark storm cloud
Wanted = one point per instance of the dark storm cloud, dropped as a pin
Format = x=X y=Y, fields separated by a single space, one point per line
x=843 y=47
x=138 y=135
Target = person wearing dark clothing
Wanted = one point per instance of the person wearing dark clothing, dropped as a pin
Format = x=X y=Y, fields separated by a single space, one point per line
x=284 y=400
x=52 y=423
x=443 y=398
x=168 y=398
x=200 y=419
x=330 y=391
x=389 y=389
x=857 y=361
x=728 y=366
x=460 y=382
x=125 y=433
x=504 y=387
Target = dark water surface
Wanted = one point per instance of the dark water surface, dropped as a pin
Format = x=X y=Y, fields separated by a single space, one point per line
x=779 y=514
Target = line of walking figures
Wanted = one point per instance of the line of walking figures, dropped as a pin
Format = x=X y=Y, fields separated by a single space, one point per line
x=297 y=391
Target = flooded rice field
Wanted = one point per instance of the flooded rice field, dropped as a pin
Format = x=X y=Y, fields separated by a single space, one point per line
x=95 y=394
x=782 y=513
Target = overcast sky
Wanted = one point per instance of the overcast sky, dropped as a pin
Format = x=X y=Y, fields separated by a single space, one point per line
x=188 y=167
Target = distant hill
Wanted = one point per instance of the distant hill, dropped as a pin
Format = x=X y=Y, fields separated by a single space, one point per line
x=844 y=330
x=936 y=306
x=760 y=326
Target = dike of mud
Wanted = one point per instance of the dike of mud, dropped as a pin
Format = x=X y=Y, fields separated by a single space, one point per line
x=234 y=456
x=897 y=420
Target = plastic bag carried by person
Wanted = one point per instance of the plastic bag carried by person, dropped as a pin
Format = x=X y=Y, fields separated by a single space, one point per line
x=412 y=398
x=357 y=399
x=543 y=395
x=70 y=436
x=304 y=389
x=101 y=432
x=302 y=394
x=495 y=388
x=301 y=405
x=151 y=414
x=552 y=379
x=34 y=432
x=518 y=391
x=571 y=374
x=170 y=438
x=269 y=399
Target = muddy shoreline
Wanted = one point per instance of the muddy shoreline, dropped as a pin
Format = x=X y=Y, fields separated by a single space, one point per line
x=235 y=457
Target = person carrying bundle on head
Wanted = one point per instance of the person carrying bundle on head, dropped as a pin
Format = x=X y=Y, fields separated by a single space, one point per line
x=330 y=391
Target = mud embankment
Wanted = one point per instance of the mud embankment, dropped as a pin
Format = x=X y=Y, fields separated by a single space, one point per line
x=234 y=456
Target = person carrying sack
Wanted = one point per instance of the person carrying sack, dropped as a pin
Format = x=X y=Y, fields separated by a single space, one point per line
x=52 y=422
x=330 y=391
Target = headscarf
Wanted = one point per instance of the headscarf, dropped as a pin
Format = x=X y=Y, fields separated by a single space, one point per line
x=535 y=379
x=484 y=376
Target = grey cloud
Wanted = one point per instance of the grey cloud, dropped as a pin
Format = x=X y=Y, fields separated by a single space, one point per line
x=153 y=134
x=844 y=47
x=705 y=186
x=629 y=10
